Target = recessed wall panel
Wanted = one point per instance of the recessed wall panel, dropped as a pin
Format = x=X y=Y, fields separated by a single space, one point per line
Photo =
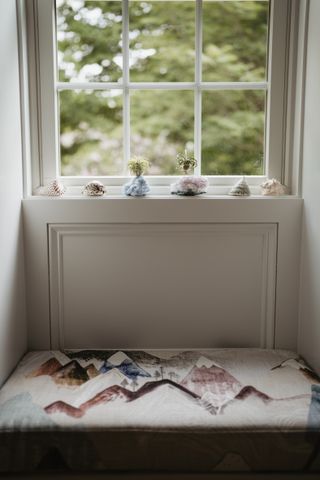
x=147 y=285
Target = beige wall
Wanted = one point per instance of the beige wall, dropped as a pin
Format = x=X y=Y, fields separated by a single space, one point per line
x=12 y=297
x=309 y=338
x=279 y=303
x=162 y=272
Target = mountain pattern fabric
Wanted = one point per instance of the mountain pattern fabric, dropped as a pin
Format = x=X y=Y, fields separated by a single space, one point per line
x=161 y=410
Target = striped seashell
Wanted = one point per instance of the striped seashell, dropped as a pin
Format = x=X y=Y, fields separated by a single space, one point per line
x=94 y=189
x=240 y=189
x=53 y=189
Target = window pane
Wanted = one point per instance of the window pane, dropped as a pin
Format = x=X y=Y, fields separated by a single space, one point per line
x=89 y=40
x=162 y=39
x=233 y=132
x=91 y=132
x=161 y=126
x=235 y=40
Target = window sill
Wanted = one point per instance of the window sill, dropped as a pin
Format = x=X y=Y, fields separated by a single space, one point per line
x=207 y=196
x=216 y=191
x=160 y=209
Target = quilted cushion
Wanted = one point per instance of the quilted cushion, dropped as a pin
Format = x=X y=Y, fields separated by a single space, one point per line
x=162 y=410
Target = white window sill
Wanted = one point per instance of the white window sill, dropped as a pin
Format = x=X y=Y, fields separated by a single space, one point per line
x=113 y=191
x=111 y=195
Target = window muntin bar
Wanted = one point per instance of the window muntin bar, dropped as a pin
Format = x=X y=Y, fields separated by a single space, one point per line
x=198 y=87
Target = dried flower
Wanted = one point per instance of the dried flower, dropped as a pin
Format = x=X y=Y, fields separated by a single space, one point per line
x=138 y=165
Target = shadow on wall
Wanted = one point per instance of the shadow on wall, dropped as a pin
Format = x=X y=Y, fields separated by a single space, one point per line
x=12 y=294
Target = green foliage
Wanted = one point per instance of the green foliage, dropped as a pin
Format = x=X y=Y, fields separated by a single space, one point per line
x=162 y=48
x=186 y=162
x=161 y=126
x=91 y=132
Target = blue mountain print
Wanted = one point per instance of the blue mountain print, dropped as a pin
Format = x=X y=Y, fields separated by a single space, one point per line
x=128 y=367
x=106 y=366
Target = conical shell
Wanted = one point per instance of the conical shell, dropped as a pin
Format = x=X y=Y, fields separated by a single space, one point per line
x=94 y=189
x=240 y=189
x=53 y=189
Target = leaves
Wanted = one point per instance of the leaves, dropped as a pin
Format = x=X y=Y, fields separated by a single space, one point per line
x=162 y=48
x=186 y=162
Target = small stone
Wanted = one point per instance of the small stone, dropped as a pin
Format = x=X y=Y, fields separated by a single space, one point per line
x=137 y=187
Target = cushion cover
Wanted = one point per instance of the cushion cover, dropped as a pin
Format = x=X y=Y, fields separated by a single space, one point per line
x=161 y=410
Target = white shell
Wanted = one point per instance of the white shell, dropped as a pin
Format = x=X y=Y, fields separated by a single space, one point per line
x=53 y=189
x=94 y=189
x=273 y=187
x=240 y=189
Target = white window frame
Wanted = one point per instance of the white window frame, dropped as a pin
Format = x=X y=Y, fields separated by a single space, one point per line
x=43 y=88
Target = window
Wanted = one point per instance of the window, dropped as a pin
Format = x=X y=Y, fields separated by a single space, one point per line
x=155 y=77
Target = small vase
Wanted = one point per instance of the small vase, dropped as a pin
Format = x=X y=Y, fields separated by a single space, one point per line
x=137 y=187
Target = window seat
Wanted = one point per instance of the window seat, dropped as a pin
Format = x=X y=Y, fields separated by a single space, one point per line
x=219 y=410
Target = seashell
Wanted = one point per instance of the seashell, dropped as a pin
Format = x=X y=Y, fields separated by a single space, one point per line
x=273 y=187
x=240 y=189
x=190 y=186
x=53 y=189
x=94 y=189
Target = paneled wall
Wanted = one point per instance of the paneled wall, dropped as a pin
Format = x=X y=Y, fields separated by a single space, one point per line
x=162 y=272
x=309 y=335
x=156 y=272
x=12 y=295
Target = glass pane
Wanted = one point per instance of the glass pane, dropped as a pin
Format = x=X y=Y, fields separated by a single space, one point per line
x=162 y=39
x=161 y=126
x=233 y=132
x=91 y=132
x=235 y=40
x=89 y=40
